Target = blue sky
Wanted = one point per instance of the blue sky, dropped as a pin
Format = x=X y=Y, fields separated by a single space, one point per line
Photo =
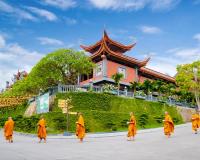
x=166 y=30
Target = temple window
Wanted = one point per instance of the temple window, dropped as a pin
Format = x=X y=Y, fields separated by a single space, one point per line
x=99 y=69
x=122 y=70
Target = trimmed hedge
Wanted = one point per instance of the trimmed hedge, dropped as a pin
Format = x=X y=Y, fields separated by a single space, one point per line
x=102 y=112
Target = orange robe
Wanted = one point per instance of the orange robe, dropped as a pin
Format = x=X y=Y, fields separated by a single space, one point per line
x=195 y=122
x=132 y=127
x=42 y=133
x=168 y=125
x=199 y=121
x=80 y=128
x=8 y=129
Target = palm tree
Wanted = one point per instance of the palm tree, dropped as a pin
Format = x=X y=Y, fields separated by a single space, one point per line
x=147 y=86
x=117 y=78
x=158 y=86
x=135 y=85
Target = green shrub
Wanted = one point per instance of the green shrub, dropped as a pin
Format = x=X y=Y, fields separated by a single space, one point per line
x=143 y=119
x=102 y=112
x=159 y=119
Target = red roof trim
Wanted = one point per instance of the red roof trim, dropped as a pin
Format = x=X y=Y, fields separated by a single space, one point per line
x=157 y=74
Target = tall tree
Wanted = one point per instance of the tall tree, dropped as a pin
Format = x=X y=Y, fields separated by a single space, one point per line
x=188 y=79
x=135 y=85
x=61 y=66
x=117 y=78
x=147 y=86
x=158 y=86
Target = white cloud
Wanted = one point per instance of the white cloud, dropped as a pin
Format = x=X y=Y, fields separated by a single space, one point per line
x=14 y=57
x=134 y=4
x=163 y=4
x=118 y=4
x=197 y=37
x=188 y=53
x=16 y=12
x=49 y=41
x=150 y=29
x=71 y=21
x=2 y=41
x=43 y=13
x=63 y=4
x=6 y=7
x=167 y=64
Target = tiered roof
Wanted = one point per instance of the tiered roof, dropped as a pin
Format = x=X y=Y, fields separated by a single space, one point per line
x=107 y=46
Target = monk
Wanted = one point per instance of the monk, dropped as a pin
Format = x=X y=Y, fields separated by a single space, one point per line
x=80 y=127
x=42 y=133
x=168 y=125
x=195 y=122
x=199 y=119
x=8 y=130
x=132 y=127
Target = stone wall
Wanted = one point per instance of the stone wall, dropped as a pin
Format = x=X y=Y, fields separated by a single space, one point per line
x=186 y=113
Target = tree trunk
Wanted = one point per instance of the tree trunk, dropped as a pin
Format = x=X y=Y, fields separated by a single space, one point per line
x=197 y=98
x=118 y=85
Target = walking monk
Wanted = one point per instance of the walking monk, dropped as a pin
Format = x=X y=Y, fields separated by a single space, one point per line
x=195 y=122
x=80 y=127
x=42 y=133
x=132 y=127
x=168 y=125
x=8 y=130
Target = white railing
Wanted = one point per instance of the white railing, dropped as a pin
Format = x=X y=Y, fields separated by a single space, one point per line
x=125 y=93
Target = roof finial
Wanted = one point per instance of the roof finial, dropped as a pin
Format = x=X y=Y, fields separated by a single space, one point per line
x=104 y=30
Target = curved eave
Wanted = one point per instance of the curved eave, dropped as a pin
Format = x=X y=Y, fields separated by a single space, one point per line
x=104 y=48
x=92 y=47
x=104 y=40
x=121 y=46
x=157 y=74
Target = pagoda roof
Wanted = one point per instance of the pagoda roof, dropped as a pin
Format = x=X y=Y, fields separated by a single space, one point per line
x=113 y=45
x=113 y=48
x=157 y=74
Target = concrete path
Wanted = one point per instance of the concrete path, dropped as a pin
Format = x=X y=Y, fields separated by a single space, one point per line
x=149 y=144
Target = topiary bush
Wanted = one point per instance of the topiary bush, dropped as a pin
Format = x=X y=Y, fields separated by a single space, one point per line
x=143 y=120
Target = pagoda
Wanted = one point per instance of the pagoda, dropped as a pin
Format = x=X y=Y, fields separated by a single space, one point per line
x=110 y=59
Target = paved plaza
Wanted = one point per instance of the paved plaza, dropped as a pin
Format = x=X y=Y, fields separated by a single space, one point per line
x=149 y=144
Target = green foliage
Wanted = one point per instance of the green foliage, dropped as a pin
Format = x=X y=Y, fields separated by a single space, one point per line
x=135 y=86
x=108 y=88
x=159 y=118
x=87 y=101
x=117 y=78
x=102 y=113
x=147 y=86
x=188 y=79
x=61 y=66
x=143 y=119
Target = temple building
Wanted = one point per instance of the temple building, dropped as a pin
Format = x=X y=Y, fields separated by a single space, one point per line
x=110 y=59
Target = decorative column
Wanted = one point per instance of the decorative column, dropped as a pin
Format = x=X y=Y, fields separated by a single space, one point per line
x=136 y=74
x=78 y=79
x=104 y=65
